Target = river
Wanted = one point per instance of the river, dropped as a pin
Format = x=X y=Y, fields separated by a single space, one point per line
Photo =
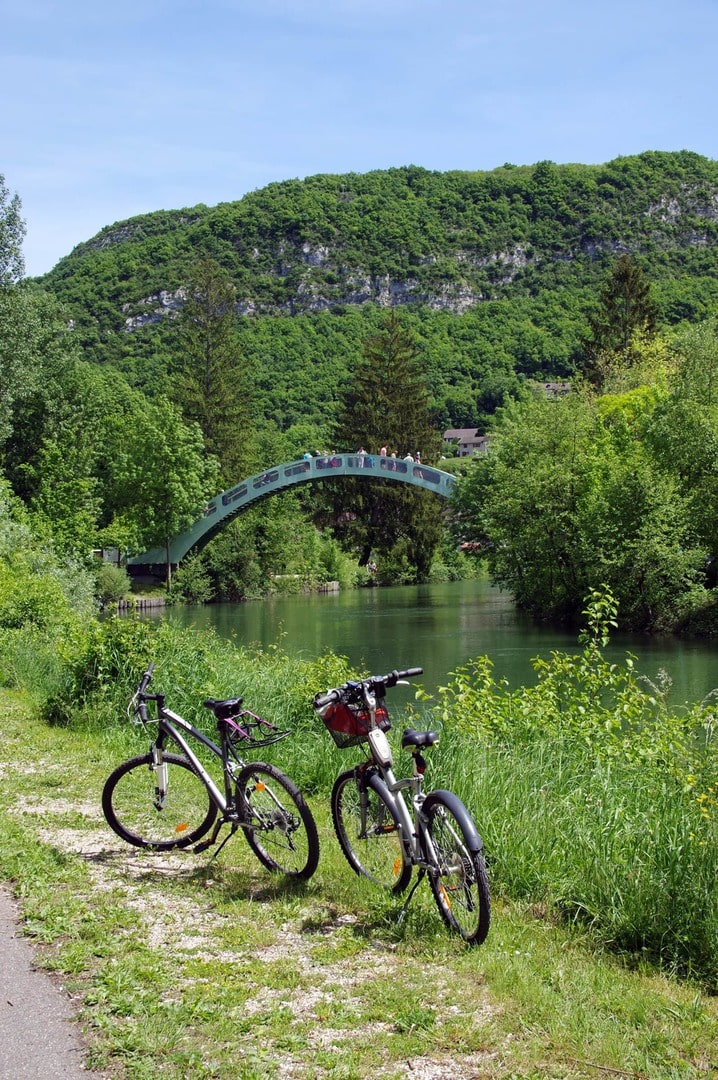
x=439 y=627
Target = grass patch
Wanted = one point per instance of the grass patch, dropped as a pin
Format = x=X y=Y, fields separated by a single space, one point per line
x=191 y=967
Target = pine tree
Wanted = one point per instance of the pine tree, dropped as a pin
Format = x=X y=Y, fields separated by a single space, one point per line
x=387 y=404
x=212 y=379
x=626 y=311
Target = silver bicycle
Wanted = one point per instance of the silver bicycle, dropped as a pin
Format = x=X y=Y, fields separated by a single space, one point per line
x=163 y=800
x=386 y=826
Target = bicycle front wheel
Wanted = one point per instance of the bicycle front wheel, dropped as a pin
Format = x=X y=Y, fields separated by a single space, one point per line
x=368 y=830
x=278 y=824
x=457 y=870
x=133 y=808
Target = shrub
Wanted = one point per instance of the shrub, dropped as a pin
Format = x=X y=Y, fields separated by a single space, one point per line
x=192 y=582
x=595 y=801
x=112 y=583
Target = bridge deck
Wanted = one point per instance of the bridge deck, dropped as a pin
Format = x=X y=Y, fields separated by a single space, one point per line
x=225 y=506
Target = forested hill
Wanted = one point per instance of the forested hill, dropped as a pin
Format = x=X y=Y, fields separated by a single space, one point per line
x=497 y=270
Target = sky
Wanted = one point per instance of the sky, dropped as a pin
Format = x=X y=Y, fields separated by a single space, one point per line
x=115 y=109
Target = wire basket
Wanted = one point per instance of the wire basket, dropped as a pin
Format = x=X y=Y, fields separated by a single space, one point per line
x=245 y=731
x=349 y=725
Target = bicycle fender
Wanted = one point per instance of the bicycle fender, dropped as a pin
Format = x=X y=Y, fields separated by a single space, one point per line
x=461 y=814
x=375 y=781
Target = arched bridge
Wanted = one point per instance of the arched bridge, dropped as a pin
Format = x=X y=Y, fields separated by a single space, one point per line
x=225 y=506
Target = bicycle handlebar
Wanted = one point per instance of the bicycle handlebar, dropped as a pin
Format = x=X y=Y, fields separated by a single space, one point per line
x=146 y=679
x=374 y=682
x=141 y=695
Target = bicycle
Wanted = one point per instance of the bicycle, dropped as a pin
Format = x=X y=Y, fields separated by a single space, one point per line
x=386 y=827
x=163 y=800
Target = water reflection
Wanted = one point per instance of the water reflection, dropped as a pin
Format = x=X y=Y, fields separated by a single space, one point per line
x=439 y=627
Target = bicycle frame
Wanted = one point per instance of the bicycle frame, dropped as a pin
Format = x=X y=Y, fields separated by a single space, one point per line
x=415 y=836
x=169 y=722
x=386 y=826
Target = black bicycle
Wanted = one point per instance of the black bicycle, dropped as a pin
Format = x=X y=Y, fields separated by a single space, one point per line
x=386 y=826
x=163 y=800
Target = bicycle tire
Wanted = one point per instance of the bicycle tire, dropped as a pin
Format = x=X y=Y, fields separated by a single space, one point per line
x=284 y=838
x=129 y=804
x=373 y=847
x=460 y=883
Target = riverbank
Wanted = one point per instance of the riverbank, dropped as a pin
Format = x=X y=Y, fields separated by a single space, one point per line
x=187 y=967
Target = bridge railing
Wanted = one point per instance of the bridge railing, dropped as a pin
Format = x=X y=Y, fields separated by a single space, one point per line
x=225 y=506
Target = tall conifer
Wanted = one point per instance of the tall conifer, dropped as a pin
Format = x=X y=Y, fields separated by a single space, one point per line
x=625 y=310
x=211 y=375
x=387 y=404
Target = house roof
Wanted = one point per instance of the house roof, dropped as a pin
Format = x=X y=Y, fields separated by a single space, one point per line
x=462 y=434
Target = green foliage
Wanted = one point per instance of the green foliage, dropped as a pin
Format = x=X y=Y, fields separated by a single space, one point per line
x=580 y=491
x=36 y=345
x=386 y=404
x=498 y=275
x=102 y=666
x=12 y=232
x=498 y=269
x=113 y=582
x=626 y=310
x=38 y=588
x=684 y=435
x=192 y=582
x=209 y=375
x=596 y=801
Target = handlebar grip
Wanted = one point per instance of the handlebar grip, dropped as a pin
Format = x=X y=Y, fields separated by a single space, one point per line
x=393 y=677
x=320 y=700
x=146 y=679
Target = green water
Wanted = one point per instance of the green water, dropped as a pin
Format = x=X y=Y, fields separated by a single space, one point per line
x=439 y=627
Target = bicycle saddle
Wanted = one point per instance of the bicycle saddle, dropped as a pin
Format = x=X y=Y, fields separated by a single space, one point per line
x=418 y=738
x=224 y=710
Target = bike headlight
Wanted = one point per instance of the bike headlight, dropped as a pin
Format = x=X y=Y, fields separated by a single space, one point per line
x=380 y=749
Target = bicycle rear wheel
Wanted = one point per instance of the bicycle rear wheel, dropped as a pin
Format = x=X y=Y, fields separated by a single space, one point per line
x=459 y=882
x=368 y=830
x=279 y=826
x=131 y=806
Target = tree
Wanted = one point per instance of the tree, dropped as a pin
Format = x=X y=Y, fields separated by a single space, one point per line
x=17 y=322
x=684 y=434
x=387 y=403
x=162 y=478
x=211 y=377
x=12 y=234
x=571 y=497
x=625 y=311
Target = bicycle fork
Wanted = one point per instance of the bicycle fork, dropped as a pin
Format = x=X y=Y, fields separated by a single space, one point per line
x=159 y=767
x=370 y=825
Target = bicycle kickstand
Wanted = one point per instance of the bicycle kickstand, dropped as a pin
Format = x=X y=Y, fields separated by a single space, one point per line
x=204 y=844
x=412 y=890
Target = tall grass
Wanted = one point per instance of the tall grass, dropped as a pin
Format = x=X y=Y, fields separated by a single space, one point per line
x=596 y=803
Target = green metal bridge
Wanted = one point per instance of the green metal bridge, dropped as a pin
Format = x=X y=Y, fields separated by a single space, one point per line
x=228 y=504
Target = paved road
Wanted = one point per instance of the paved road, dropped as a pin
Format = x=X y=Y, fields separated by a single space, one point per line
x=37 y=1035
